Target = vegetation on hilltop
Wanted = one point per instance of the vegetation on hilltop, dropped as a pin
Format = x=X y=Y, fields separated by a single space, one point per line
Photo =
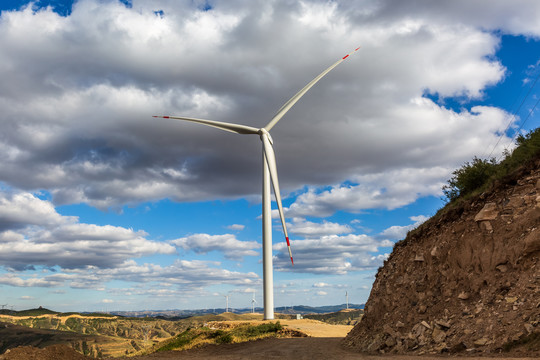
x=30 y=312
x=475 y=177
x=205 y=336
x=347 y=317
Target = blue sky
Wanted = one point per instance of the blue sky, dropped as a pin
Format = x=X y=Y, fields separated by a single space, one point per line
x=103 y=207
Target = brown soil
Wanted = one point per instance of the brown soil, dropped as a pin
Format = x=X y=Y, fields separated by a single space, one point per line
x=53 y=352
x=467 y=281
x=309 y=348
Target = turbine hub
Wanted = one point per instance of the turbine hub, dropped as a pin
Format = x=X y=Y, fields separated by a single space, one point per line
x=264 y=132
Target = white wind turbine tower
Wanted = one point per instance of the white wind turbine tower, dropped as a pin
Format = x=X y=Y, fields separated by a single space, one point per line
x=269 y=173
x=227 y=308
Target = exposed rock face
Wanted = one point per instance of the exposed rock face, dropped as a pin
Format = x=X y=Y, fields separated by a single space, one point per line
x=468 y=280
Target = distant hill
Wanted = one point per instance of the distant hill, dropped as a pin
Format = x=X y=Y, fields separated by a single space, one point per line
x=30 y=312
x=182 y=314
x=343 y=317
x=304 y=309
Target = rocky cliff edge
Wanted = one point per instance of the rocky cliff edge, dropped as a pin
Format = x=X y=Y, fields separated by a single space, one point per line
x=466 y=281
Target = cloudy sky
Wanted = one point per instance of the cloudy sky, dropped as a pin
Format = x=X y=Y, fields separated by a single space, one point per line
x=103 y=207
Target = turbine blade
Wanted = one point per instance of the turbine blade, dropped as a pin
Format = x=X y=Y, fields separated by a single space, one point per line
x=235 y=128
x=271 y=163
x=289 y=104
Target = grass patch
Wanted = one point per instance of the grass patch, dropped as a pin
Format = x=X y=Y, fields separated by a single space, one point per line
x=249 y=332
x=204 y=335
x=181 y=340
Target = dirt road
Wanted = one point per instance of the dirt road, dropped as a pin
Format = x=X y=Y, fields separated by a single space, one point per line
x=311 y=348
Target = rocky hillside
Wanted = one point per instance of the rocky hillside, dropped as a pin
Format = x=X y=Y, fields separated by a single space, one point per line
x=467 y=280
x=90 y=335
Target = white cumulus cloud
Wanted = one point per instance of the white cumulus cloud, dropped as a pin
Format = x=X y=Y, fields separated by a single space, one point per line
x=231 y=247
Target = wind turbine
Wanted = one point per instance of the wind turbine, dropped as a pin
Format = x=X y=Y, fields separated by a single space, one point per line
x=227 y=308
x=269 y=173
x=253 y=302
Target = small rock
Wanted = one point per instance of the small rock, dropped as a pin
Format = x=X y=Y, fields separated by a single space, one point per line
x=399 y=325
x=375 y=345
x=486 y=226
x=511 y=299
x=502 y=268
x=419 y=258
x=443 y=324
x=532 y=242
x=529 y=328
x=482 y=342
x=388 y=330
x=516 y=336
x=425 y=324
x=390 y=342
x=463 y=295
x=515 y=202
x=488 y=212
x=422 y=309
x=438 y=335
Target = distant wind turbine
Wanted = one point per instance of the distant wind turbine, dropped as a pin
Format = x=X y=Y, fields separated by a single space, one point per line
x=269 y=173
x=227 y=308
x=253 y=302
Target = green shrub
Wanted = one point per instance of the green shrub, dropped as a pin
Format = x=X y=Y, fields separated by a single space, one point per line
x=224 y=339
x=181 y=340
x=254 y=331
x=475 y=176
x=528 y=148
x=214 y=334
x=470 y=177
